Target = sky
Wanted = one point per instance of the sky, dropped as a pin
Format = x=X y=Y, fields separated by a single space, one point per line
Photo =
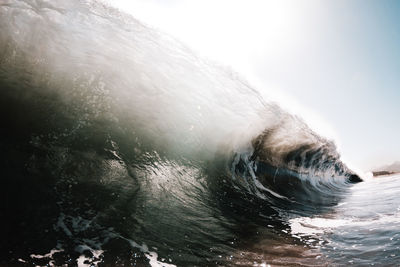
x=335 y=63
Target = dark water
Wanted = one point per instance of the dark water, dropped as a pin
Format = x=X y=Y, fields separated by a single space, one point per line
x=120 y=147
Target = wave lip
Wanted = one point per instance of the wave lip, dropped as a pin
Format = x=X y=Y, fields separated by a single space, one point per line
x=303 y=167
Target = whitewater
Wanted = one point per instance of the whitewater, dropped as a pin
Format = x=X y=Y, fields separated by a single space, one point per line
x=120 y=146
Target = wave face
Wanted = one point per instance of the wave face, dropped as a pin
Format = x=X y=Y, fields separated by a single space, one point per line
x=120 y=146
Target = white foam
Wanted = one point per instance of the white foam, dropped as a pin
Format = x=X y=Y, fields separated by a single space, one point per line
x=304 y=226
x=48 y=255
x=151 y=255
x=77 y=225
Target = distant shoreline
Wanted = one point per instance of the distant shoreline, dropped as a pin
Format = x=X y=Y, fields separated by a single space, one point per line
x=382 y=173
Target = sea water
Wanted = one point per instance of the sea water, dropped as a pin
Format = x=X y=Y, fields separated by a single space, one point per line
x=120 y=147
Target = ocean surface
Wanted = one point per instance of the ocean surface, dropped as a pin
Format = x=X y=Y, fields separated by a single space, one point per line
x=121 y=147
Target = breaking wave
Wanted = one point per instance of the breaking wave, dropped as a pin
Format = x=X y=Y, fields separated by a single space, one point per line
x=114 y=133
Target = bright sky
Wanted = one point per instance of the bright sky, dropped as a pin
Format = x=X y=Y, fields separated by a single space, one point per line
x=337 y=62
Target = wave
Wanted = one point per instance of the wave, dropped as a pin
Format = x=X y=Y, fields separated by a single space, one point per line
x=96 y=105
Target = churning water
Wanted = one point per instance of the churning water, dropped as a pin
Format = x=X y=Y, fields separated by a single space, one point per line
x=120 y=147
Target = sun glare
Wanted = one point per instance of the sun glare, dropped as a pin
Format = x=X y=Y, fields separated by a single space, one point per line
x=230 y=32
